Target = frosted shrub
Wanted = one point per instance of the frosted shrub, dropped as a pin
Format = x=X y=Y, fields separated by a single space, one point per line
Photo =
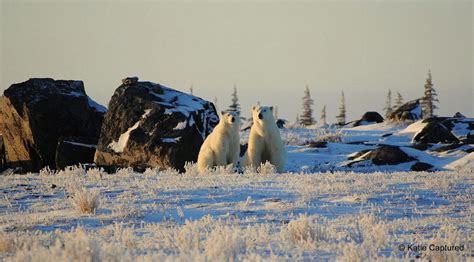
x=266 y=169
x=86 y=201
x=46 y=171
x=125 y=171
x=73 y=246
x=224 y=170
x=191 y=169
x=291 y=138
x=76 y=171
x=305 y=233
x=324 y=135
x=223 y=244
x=6 y=243
x=188 y=238
x=96 y=173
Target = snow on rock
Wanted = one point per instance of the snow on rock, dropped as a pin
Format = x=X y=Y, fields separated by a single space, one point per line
x=96 y=106
x=180 y=125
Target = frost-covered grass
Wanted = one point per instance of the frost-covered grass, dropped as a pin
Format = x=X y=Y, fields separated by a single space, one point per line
x=225 y=216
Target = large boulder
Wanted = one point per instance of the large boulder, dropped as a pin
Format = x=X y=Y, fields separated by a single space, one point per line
x=387 y=155
x=408 y=111
x=460 y=126
x=150 y=125
x=36 y=113
x=435 y=131
x=368 y=118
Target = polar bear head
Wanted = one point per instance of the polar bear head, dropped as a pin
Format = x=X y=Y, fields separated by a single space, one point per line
x=263 y=114
x=230 y=118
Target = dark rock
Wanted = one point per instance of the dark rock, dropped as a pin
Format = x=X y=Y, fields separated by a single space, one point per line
x=243 y=149
x=387 y=135
x=281 y=123
x=3 y=160
x=461 y=127
x=368 y=118
x=317 y=144
x=408 y=111
x=358 y=154
x=435 y=132
x=420 y=146
x=459 y=115
x=75 y=150
x=35 y=113
x=150 y=125
x=421 y=166
x=387 y=155
x=130 y=80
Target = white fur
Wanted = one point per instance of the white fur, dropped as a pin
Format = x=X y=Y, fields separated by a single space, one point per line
x=222 y=146
x=265 y=143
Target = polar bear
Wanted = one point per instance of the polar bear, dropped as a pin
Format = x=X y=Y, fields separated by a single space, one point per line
x=265 y=143
x=222 y=146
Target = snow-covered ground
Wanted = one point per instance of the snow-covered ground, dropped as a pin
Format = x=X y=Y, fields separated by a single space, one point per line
x=317 y=210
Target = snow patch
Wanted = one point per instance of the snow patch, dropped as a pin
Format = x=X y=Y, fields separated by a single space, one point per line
x=180 y=125
x=97 y=107
x=80 y=144
x=466 y=162
x=120 y=145
x=171 y=139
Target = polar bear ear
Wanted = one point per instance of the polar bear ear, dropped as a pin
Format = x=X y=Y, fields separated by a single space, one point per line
x=222 y=113
x=253 y=108
x=271 y=108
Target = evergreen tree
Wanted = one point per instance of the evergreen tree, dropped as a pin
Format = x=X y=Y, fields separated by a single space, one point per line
x=306 y=118
x=398 y=101
x=388 y=104
x=191 y=90
x=429 y=99
x=323 y=116
x=234 y=106
x=341 y=118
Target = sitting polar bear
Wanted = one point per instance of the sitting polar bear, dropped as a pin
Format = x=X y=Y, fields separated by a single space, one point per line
x=265 y=143
x=222 y=146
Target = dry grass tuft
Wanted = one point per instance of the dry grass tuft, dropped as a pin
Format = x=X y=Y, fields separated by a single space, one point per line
x=86 y=201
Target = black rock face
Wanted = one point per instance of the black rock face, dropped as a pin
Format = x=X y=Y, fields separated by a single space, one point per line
x=384 y=155
x=150 y=125
x=49 y=110
x=421 y=166
x=388 y=155
x=370 y=117
x=435 y=132
x=408 y=111
x=75 y=150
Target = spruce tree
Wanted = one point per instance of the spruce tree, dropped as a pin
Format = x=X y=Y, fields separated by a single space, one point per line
x=398 y=101
x=429 y=99
x=388 y=104
x=191 y=90
x=341 y=118
x=234 y=106
x=306 y=118
x=323 y=116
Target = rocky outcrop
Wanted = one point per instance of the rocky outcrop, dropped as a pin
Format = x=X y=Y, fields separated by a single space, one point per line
x=368 y=118
x=36 y=113
x=435 y=132
x=75 y=150
x=150 y=125
x=408 y=111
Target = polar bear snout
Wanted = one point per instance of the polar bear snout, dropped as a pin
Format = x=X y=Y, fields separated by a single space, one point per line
x=260 y=116
x=232 y=119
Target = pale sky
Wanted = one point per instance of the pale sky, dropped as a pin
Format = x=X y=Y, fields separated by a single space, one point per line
x=270 y=50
